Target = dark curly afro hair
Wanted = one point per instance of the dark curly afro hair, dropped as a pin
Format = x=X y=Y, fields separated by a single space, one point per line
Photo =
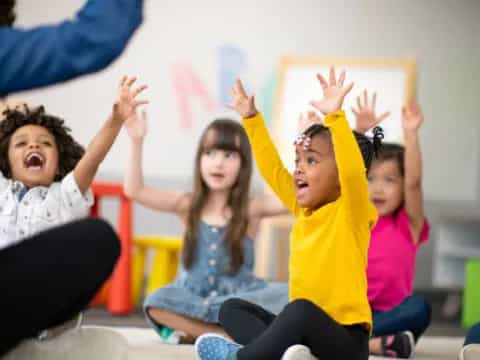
x=69 y=151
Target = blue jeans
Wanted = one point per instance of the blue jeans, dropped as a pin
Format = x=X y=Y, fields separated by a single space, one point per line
x=412 y=314
x=473 y=336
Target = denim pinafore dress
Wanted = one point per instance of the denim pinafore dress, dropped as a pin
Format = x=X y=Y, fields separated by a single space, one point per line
x=200 y=291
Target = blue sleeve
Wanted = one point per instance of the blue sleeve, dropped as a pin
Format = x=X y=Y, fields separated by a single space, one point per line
x=50 y=54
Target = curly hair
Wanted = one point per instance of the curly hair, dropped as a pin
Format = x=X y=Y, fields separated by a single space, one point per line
x=369 y=148
x=7 y=15
x=69 y=151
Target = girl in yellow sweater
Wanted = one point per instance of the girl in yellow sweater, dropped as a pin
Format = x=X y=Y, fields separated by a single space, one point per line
x=328 y=313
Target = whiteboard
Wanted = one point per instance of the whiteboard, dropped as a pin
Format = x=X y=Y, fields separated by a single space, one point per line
x=391 y=79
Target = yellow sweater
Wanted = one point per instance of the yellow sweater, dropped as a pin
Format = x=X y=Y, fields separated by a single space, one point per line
x=328 y=247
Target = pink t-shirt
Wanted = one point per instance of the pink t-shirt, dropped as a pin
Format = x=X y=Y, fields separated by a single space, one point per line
x=391 y=261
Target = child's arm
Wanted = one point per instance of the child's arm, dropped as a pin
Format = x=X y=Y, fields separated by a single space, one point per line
x=126 y=103
x=412 y=119
x=365 y=118
x=266 y=205
x=266 y=156
x=134 y=187
x=351 y=169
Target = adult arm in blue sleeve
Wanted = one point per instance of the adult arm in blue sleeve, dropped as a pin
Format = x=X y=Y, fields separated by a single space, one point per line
x=54 y=53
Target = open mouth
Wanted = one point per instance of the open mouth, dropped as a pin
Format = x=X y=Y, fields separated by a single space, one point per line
x=217 y=176
x=301 y=186
x=34 y=161
x=378 y=202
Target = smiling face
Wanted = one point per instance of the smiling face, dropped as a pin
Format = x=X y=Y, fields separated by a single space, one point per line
x=316 y=175
x=33 y=156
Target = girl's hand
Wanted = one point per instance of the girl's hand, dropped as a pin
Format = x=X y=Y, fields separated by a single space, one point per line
x=333 y=92
x=136 y=126
x=241 y=103
x=127 y=102
x=412 y=117
x=365 y=115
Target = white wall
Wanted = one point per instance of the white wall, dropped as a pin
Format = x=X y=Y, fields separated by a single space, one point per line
x=443 y=35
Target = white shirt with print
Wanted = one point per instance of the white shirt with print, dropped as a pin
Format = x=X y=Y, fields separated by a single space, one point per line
x=40 y=208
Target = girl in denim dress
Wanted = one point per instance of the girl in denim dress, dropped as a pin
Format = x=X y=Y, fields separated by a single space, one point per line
x=221 y=220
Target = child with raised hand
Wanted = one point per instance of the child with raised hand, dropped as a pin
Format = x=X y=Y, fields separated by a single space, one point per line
x=328 y=315
x=44 y=182
x=46 y=174
x=221 y=220
x=395 y=185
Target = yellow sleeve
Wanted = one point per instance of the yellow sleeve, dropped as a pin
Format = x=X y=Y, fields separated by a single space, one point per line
x=269 y=162
x=351 y=168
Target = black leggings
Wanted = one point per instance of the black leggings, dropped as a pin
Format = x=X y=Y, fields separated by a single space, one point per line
x=267 y=336
x=49 y=278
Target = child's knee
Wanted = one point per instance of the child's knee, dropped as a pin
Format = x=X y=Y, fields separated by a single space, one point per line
x=102 y=241
x=229 y=307
x=303 y=308
x=157 y=315
x=422 y=307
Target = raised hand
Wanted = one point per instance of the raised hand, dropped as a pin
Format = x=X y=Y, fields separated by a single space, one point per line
x=365 y=114
x=412 y=117
x=127 y=102
x=334 y=92
x=241 y=102
x=136 y=126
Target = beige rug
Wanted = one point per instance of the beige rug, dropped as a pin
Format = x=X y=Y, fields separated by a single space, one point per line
x=101 y=343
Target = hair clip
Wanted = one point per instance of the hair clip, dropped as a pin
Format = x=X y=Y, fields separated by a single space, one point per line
x=300 y=139
x=306 y=143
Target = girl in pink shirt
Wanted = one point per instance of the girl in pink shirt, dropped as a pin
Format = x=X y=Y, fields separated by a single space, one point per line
x=395 y=185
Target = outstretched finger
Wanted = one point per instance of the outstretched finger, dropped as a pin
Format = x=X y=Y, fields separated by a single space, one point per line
x=354 y=111
x=359 y=102
x=139 y=90
x=322 y=81
x=239 y=88
x=333 y=79
x=365 y=97
x=374 y=101
x=122 y=80
x=383 y=116
x=341 y=79
x=347 y=89
x=131 y=81
x=251 y=101
x=141 y=102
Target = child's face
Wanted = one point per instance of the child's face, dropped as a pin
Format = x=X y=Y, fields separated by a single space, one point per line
x=219 y=168
x=316 y=175
x=33 y=156
x=385 y=184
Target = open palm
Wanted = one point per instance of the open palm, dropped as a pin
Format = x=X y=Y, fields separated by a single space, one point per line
x=241 y=102
x=127 y=101
x=412 y=117
x=334 y=92
x=365 y=113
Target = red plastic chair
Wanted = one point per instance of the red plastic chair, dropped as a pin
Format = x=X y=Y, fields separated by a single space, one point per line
x=116 y=292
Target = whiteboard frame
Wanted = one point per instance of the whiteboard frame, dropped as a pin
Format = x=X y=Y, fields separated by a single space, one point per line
x=407 y=64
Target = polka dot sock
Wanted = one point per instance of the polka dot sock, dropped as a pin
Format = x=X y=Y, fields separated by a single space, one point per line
x=216 y=347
